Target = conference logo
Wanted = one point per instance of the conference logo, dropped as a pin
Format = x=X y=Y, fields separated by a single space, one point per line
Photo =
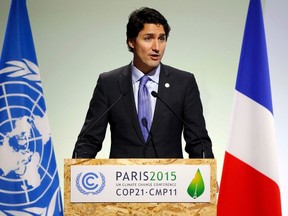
x=197 y=187
x=27 y=169
x=90 y=183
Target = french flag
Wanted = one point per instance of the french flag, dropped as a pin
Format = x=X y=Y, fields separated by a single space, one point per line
x=249 y=183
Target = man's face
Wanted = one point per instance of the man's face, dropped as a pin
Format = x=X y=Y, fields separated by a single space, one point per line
x=149 y=47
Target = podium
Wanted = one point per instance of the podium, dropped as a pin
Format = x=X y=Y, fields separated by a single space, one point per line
x=138 y=206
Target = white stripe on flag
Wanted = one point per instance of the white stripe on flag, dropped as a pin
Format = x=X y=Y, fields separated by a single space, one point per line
x=252 y=135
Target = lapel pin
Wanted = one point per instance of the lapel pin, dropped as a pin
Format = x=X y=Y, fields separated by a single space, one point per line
x=167 y=85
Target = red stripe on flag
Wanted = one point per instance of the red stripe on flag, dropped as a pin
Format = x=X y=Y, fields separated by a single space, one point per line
x=246 y=191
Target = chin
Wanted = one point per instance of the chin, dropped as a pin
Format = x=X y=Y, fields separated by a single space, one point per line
x=154 y=64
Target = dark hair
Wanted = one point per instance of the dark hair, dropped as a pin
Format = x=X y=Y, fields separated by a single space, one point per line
x=139 y=17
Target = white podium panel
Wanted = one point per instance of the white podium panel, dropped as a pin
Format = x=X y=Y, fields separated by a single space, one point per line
x=140 y=183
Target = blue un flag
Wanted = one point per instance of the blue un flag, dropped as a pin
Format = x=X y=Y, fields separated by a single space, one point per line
x=29 y=182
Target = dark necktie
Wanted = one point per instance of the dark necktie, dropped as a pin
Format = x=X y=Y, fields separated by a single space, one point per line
x=144 y=107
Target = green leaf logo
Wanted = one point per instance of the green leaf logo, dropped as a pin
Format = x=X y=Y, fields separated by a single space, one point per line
x=196 y=187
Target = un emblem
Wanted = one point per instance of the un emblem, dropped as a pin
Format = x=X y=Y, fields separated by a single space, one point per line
x=27 y=162
x=90 y=183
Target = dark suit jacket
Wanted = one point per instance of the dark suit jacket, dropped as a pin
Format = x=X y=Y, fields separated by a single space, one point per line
x=126 y=138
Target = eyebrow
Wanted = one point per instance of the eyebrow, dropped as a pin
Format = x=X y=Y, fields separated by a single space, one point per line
x=151 y=34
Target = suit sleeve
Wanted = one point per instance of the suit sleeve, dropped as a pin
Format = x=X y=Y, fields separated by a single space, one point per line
x=91 y=137
x=193 y=115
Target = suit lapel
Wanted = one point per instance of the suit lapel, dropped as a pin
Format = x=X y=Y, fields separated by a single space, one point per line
x=164 y=92
x=125 y=85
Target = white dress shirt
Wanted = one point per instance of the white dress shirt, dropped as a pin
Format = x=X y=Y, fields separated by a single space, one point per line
x=152 y=85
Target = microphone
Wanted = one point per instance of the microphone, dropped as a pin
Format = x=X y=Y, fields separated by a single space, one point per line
x=93 y=123
x=155 y=94
x=145 y=124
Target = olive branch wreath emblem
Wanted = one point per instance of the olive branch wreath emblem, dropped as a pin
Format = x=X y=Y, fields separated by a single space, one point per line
x=29 y=71
x=103 y=184
x=25 y=69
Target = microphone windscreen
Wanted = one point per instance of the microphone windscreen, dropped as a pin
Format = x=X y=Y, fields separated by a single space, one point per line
x=154 y=94
x=144 y=122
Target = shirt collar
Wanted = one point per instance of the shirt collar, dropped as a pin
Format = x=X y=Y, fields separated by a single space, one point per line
x=137 y=74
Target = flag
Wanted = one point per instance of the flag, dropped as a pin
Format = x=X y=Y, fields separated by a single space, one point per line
x=249 y=183
x=29 y=182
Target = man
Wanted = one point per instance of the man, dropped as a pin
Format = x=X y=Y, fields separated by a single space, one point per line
x=144 y=126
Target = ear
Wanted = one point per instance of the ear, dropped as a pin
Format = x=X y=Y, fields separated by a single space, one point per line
x=131 y=43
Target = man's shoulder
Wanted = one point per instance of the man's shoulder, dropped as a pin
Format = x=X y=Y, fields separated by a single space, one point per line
x=175 y=71
x=116 y=72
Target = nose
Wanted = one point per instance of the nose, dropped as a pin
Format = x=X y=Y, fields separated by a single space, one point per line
x=155 y=46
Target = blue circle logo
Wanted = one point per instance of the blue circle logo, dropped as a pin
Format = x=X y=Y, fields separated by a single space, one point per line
x=90 y=183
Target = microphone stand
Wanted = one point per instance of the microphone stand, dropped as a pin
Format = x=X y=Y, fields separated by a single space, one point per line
x=155 y=94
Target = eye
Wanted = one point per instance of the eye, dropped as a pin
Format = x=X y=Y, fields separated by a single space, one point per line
x=147 y=38
x=162 y=38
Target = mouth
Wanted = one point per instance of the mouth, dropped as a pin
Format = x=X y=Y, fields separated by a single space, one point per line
x=155 y=57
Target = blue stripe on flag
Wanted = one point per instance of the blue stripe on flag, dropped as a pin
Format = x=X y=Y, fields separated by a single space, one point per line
x=253 y=78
